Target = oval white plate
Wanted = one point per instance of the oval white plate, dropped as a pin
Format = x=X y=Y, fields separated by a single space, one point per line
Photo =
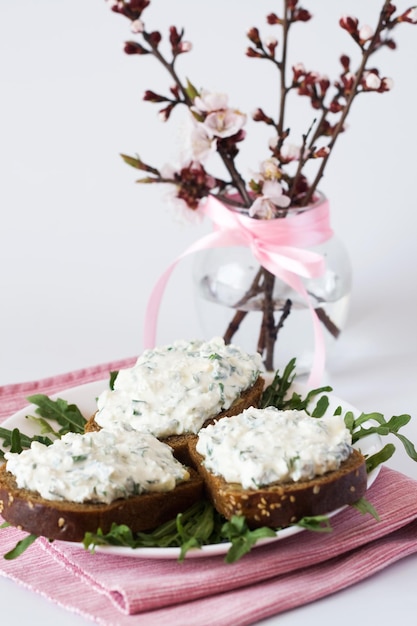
x=84 y=396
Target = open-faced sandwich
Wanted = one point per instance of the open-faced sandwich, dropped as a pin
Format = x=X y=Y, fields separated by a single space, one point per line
x=174 y=390
x=276 y=467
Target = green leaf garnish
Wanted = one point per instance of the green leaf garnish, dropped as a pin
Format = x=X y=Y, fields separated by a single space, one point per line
x=20 y=547
x=16 y=441
x=242 y=538
x=277 y=394
x=317 y=523
x=364 y=507
x=379 y=457
x=68 y=416
x=112 y=378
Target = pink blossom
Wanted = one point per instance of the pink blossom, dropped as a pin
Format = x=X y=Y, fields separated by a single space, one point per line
x=269 y=169
x=224 y=123
x=365 y=33
x=185 y=46
x=137 y=26
x=290 y=152
x=372 y=81
x=265 y=206
x=271 y=41
x=387 y=84
x=208 y=102
x=202 y=145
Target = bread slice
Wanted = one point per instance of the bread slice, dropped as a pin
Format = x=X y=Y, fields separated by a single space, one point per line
x=282 y=504
x=180 y=443
x=69 y=521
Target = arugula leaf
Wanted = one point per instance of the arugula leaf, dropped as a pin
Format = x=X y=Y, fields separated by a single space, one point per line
x=382 y=428
x=364 y=507
x=17 y=441
x=276 y=394
x=241 y=537
x=20 y=547
x=316 y=523
x=68 y=416
x=379 y=457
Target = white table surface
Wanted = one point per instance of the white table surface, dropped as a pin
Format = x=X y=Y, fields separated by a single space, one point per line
x=81 y=245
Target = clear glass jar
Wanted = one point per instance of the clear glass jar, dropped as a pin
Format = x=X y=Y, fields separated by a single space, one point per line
x=224 y=278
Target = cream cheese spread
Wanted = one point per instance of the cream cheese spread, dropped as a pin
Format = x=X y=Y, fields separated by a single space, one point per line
x=174 y=389
x=96 y=467
x=263 y=446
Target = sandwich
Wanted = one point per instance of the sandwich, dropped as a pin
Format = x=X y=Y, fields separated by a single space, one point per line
x=85 y=482
x=276 y=467
x=174 y=390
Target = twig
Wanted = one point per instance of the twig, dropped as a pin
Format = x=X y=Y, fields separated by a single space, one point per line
x=233 y=326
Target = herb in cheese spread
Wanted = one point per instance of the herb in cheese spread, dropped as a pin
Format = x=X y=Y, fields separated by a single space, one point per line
x=174 y=389
x=263 y=446
x=96 y=467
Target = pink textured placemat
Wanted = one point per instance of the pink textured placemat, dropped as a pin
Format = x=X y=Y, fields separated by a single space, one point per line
x=114 y=590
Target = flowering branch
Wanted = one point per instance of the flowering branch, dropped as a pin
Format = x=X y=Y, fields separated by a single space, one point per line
x=281 y=184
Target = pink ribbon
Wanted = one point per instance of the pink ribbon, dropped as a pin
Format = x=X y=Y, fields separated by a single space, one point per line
x=280 y=247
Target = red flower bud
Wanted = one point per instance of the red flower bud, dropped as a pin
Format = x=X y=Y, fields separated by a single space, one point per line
x=335 y=106
x=259 y=116
x=151 y=96
x=250 y=52
x=301 y=15
x=272 y=18
x=345 y=61
x=174 y=36
x=253 y=35
x=165 y=113
x=138 y=5
x=155 y=38
x=409 y=16
x=349 y=23
x=132 y=47
x=322 y=152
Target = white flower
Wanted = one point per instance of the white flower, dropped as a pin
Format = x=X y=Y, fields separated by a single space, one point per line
x=185 y=46
x=208 y=102
x=224 y=123
x=372 y=81
x=137 y=26
x=271 y=41
x=202 y=144
x=219 y=119
x=365 y=33
x=269 y=169
x=387 y=83
x=272 y=197
x=290 y=152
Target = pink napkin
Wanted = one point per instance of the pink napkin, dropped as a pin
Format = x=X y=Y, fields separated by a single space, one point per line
x=271 y=579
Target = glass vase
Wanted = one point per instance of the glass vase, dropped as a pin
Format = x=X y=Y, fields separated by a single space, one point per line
x=227 y=305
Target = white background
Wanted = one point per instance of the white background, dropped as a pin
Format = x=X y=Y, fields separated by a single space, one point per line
x=81 y=244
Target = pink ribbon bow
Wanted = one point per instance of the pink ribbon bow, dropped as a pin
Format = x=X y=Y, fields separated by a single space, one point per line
x=280 y=247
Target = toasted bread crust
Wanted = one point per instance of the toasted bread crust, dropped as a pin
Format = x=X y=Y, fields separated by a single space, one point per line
x=282 y=504
x=180 y=443
x=69 y=521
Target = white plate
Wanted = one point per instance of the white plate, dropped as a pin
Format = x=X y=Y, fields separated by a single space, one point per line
x=84 y=396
